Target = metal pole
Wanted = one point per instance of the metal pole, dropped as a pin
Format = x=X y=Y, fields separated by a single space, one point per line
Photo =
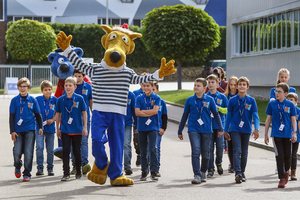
x=107 y=12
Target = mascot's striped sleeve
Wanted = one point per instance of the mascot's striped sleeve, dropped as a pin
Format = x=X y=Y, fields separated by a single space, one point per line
x=110 y=85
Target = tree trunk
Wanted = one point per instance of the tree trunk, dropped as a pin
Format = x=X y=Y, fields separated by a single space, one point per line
x=179 y=74
x=29 y=71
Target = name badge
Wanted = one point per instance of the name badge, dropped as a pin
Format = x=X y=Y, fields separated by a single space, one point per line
x=44 y=123
x=70 y=120
x=200 y=121
x=241 y=124
x=281 y=127
x=20 y=122
x=212 y=115
x=148 y=122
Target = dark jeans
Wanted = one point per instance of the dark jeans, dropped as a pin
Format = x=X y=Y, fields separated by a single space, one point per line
x=240 y=143
x=230 y=151
x=136 y=143
x=75 y=141
x=24 y=145
x=219 y=142
x=282 y=148
x=294 y=155
x=148 y=138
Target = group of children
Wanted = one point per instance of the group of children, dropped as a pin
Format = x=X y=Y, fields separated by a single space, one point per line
x=32 y=120
x=212 y=113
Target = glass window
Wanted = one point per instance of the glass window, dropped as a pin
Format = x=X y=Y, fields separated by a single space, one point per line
x=27 y=17
x=40 y=19
x=103 y=21
x=127 y=1
x=278 y=31
x=1 y=10
x=46 y=19
x=9 y=18
x=115 y=21
x=288 y=29
x=137 y=22
x=17 y=18
x=124 y=21
x=296 y=27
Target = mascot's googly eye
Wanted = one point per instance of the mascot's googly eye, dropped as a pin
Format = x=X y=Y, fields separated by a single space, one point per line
x=112 y=37
x=60 y=60
x=125 y=39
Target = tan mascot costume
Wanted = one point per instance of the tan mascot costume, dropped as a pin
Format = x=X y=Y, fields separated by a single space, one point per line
x=110 y=82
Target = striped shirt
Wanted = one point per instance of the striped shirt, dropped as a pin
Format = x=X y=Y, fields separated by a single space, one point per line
x=110 y=85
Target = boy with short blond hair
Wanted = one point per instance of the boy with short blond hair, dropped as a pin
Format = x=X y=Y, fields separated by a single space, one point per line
x=24 y=112
x=47 y=104
x=197 y=110
x=221 y=103
x=71 y=110
x=241 y=109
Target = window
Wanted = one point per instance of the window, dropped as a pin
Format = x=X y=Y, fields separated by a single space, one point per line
x=201 y=1
x=127 y=1
x=137 y=22
x=1 y=10
x=274 y=33
x=40 y=19
x=124 y=21
x=115 y=21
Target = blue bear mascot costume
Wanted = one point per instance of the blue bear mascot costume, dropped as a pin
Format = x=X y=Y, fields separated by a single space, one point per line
x=110 y=82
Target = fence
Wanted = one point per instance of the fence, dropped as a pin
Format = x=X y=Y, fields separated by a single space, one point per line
x=39 y=73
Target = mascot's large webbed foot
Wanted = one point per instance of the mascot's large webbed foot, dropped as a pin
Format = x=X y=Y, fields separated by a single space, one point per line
x=97 y=175
x=122 y=180
x=166 y=69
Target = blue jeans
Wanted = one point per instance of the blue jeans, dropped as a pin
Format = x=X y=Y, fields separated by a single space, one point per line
x=49 y=140
x=84 y=148
x=219 y=149
x=127 y=147
x=240 y=143
x=24 y=144
x=200 y=143
x=148 y=138
x=158 y=141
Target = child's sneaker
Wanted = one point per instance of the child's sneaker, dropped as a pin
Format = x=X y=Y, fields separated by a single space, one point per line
x=78 y=176
x=40 y=172
x=281 y=183
x=65 y=178
x=50 y=172
x=153 y=176
x=26 y=178
x=238 y=178
x=286 y=175
x=17 y=173
x=220 y=169
x=196 y=180
x=203 y=176
x=143 y=177
x=230 y=168
x=158 y=174
x=210 y=173
x=243 y=177
x=128 y=171
x=138 y=160
x=86 y=168
x=73 y=171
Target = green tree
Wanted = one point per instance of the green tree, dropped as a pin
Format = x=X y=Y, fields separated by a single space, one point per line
x=180 y=32
x=30 y=40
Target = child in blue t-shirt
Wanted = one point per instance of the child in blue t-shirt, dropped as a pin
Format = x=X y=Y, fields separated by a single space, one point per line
x=24 y=111
x=130 y=115
x=283 y=114
x=85 y=90
x=198 y=109
x=163 y=121
x=221 y=103
x=47 y=104
x=146 y=109
x=71 y=110
x=293 y=97
x=241 y=109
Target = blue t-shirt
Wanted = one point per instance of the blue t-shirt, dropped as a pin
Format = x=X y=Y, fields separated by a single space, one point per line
x=85 y=90
x=272 y=92
x=242 y=109
x=221 y=101
x=281 y=113
x=25 y=110
x=130 y=109
x=230 y=95
x=71 y=107
x=138 y=92
x=200 y=108
x=47 y=107
x=162 y=110
x=144 y=102
x=298 y=134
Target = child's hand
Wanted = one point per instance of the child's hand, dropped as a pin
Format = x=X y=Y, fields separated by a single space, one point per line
x=50 y=121
x=13 y=136
x=266 y=140
x=161 y=131
x=40 y=132
x=220 y=134
x=84 y=132
x=256 y=134
x=227 y=136
x=135 y=131
x=294 y=137
x=58 y=133
x=180 y=137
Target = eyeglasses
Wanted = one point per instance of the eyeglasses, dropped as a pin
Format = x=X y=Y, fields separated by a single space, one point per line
x=23 y=87
x=278 y=91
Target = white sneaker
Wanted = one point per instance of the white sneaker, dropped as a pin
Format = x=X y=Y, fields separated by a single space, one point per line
x=196 y=180
x=203 y=176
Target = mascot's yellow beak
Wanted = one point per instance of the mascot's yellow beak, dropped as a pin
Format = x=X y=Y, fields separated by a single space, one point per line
x=118 y=42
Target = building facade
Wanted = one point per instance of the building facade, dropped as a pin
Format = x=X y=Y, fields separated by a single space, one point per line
x=262 y=37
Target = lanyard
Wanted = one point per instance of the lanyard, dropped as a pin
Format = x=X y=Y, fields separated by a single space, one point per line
x=69 y=111
x=145 y=98
x=47 y=111
x=22 y=104
x=281 y=111
x=200 y=112
x=241 y=112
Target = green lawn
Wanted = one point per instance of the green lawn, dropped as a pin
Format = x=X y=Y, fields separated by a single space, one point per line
x=180 y=96
x=32 y=90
